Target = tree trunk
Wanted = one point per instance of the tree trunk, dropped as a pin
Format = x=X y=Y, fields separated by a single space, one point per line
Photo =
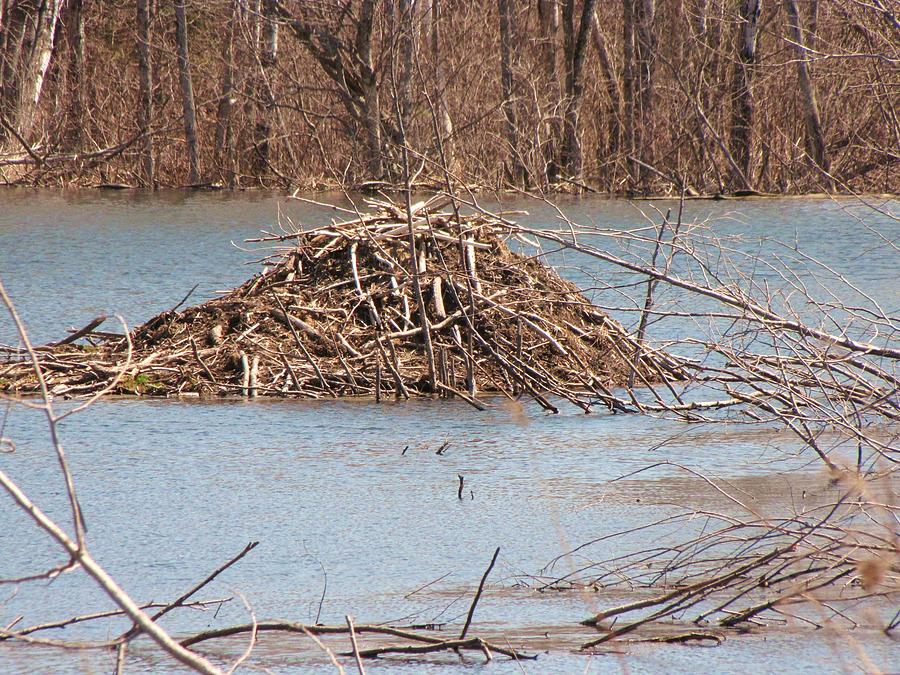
x=440 y=83
x=29 y=32
x=610 y=146
x=224 y=133
x=189 y=111
x=549 y=19
x=742 y=95
x=628 y=86
x=516 y=168
x=406 y=40
x=263 y=93
x=75 y=110
x=815 y=137
x=645 y=33
x=575 y=46
x=371 y=102
x=145 y=92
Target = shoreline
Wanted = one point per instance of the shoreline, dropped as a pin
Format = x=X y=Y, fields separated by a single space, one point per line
x=391 y=189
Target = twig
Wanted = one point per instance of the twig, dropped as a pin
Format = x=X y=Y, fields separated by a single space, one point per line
x=478 y=595
x=356 y=655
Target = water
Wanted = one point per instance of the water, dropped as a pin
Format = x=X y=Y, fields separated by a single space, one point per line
x=171 y=489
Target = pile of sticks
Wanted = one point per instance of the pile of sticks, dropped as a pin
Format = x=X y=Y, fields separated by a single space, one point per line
x=399 y=301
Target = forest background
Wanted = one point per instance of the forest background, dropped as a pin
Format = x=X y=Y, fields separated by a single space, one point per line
x=625 y=97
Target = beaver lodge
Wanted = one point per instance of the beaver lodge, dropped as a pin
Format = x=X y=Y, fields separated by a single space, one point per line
x=343 y=310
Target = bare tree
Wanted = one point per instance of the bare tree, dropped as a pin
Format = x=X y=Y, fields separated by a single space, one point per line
x=548 y=11
x=629 y=67
x=742 y=94
x=575 y=37
x=645 y=45
x=815 y=137
x=610 y=145
x=145 y=92
x=262 y=90
x=445 y=128
x=350 y=64
x=28 y=36
x=508 y=37
x=189 y=110
x=75 y=110
x=224 y=141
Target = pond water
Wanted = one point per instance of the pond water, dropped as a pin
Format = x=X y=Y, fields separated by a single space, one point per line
x=349 y=523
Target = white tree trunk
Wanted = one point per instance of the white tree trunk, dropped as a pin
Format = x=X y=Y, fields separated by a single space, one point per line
x=29 y=33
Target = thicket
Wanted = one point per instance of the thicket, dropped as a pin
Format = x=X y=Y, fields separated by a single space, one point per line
x=788 y=96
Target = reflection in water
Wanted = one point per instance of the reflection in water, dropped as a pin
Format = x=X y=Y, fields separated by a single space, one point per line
x=172 y=489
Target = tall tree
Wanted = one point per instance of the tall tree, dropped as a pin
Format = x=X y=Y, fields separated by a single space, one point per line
x=145 y=93
x=189 y=110
x=742 y=93
x=445 y=125
x=628 y=85
x=548 y=12
x=75 y=109
x=508 y=37
x=609 y=146
x=267 y=20
x=645 y=46
x=26 y=45
x=815 y=136
x=350 y=64
x=224 y=141
x=575 y=37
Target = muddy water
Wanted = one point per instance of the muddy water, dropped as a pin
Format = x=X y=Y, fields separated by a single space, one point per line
x=348 y=522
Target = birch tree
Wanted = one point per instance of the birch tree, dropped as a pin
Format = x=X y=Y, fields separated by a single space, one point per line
x=26 y=45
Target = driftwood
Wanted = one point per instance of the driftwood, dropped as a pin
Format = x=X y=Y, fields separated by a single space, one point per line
x=392 y=303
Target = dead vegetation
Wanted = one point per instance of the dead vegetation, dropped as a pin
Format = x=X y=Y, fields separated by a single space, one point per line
x=342 y=310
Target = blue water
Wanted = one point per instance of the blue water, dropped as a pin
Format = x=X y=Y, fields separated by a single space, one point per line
x=171 y=489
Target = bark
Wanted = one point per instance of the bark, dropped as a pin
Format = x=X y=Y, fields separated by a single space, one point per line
x=29 y=33
x=189 y=111
x=407 y=43
x=575 y=40
x=628 y=84
x=742 y=94
x=145 y=92
x=224 y=133
x=815 y=137
x=440 y=84
x=351 y=67
x=516 y=168
x=263 y=93
x=75 y=110
x=645 y=44
x=609 y=146
x=371 y=113
x=548 y=11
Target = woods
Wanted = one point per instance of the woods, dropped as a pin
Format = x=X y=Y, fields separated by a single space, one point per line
x=631 y=97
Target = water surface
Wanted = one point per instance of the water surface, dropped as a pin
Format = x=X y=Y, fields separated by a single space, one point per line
x=171 y=489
